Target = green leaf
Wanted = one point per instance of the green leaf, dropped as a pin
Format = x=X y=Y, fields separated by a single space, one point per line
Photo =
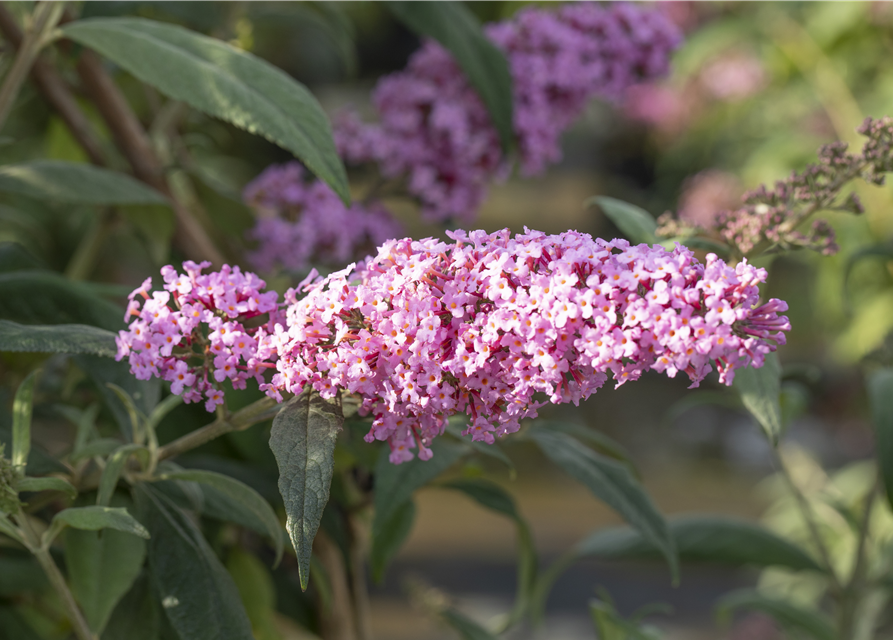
x=21 y=421
x=7 y=528
x=467 y=628
x=395 y=483
x=47 y=484
x=239 y=497
x=880 y=402
x=14 y=257
x=60 y=338
x=634 y=222
x=257 y=591
x=390 y=538
x=457 y=425
x=44 y=297
x=458 y=31
x=13 y=625
x=222 y=81
x=94 y=519
x=75 y=183
x=303 y=441
x=760 y=391
x=491 y=496
x=613 y=483
x=790 y=616
x=85 y=421
x=100 y=447
x=592 y=437
x=19 y=574
x=704 y=538
x=197 y=594
x=113 y=468
x=137 y=616
x=101 y=569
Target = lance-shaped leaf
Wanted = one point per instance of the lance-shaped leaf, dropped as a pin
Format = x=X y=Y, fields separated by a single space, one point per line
x=59 y=338
x=390 y=538
x=47 y=484
x=222 y=81
x=880 y=401
x=395 y=483
x=491 y=496
x=102 y=566
x=21 y=421
x=613 y=483
x=138 y=614
x=197 y=594
x=9 y=529
x=43 y=297
x=760 y=391
x=634 y=222
x=113 y=468
x=75 y=183
x=14 y=257
x=94 y=519
x=303 y=441
x=238 y=497
x=790 y=616
x=458 y=31
x=467 y=628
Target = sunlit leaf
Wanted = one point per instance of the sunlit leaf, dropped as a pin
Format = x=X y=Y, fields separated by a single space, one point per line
x=59 y=338
x=75 y=183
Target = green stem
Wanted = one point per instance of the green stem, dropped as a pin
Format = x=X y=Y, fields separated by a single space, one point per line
x=851 y=597
x=45 y=18
x=252 y=414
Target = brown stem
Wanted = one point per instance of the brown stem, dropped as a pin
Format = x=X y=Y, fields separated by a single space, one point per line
x=338 y=622
x=54 y=90
x=242 y=419
x=134 y=143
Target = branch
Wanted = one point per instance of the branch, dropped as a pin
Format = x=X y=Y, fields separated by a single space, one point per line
x=258 y=411
x=53 y=88
x=134 y=143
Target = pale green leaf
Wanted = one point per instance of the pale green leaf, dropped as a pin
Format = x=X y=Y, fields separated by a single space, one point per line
x=59 y=338
x=21 y=421
x=760 y=391
x=94 y=518
x=634 y=222
x=75 y=183
x=47 y=484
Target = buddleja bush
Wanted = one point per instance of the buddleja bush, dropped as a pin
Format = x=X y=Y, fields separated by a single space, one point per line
x=385 y=373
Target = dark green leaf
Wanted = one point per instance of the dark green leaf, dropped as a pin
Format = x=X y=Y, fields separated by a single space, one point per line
x=94 y=519
x=137 y=616
x=197 y=594
x=257 y=591
x=101 y=569
x=390 y=538
x=222 y=81
x=14 y=257
x=303 y=441
x=634 y=222
x=21 y=421
x=75 y=183
x=487 y=494
x=14 y=626
x=39 y=461
x=613 y=483
x=395 y=483
x=457 y=29
x=239 y=497
x=19 y=574
x=113 y=468
x=594 y=438
x=880 y=401
x=790 y=616
x=47 y=484
x=60 y=338
x=760 y=391
x=467 y=628
x=99 y=447
x=43 y=297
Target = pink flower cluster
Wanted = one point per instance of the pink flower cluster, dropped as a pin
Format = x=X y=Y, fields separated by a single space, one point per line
x=193 y=334
x=495 y=327
x=299 y=221
x=435 y=131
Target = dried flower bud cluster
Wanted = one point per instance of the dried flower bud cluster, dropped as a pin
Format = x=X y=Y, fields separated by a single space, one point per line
x=489 y=325
x=9 y=497
x=300 y=221
x=195 y=334
x=435 y=131
x=770 y=217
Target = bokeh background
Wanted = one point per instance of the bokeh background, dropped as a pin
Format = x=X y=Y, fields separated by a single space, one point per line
x=754 y=90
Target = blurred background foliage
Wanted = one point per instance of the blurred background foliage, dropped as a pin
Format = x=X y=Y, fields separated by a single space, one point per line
x=754 y=91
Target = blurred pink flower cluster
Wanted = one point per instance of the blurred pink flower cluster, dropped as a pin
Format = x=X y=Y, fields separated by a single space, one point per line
x=201 y=339
x=300 y=221
x=435 y=131
x=489 y=325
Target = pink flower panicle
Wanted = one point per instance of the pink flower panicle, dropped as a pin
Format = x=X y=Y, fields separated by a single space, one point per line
x=301 y=221
x=496 y=327
x=195 y=333
x=435 y=131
